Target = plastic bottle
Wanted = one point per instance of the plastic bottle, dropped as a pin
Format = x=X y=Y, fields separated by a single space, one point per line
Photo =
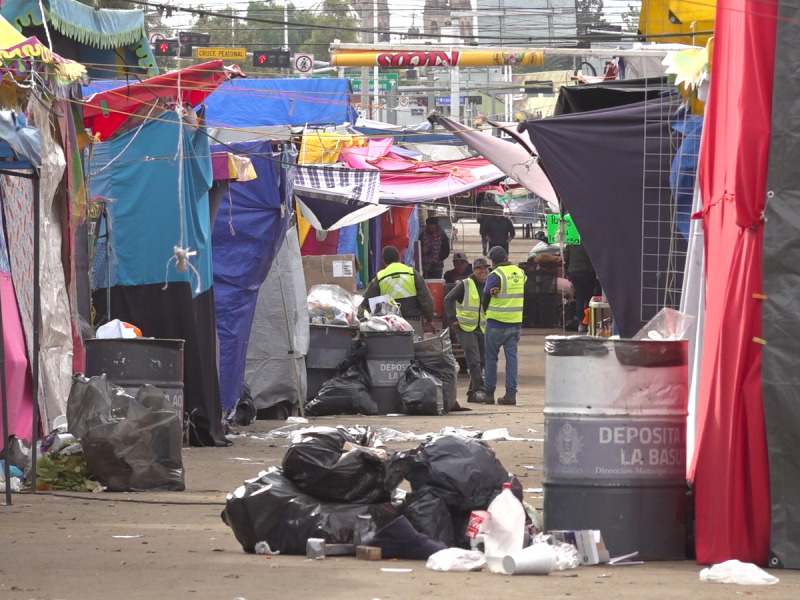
x=506 y=528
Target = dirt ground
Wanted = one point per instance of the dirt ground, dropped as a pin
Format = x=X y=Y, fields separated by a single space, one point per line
x=62 y=546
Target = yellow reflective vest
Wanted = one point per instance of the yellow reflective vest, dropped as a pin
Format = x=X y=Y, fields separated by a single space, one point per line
x=469 y=311
x=506 y=306
x=397 y=281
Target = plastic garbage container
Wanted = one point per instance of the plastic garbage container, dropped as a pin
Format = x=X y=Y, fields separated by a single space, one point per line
x=328 y=346
x=388 y=355
x=615 y=442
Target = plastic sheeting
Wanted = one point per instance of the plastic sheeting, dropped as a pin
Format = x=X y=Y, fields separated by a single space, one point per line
x=270 y=371
x=55 y=340
x=730 y=471
x=264 y=102
x=19 y=393
x=780 y=382
x=249 y=230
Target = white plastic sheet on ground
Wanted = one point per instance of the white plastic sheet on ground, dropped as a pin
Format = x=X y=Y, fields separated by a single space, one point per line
x=456 y=560
x=734 y=571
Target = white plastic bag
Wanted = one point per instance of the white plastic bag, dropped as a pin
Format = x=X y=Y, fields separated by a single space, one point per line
x=331 y=304
x=669 y=324
x=117 y=329
x=456 y=560
x=567 y=555
x=734 y=571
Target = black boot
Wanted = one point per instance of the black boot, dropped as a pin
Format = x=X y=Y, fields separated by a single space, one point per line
x=488 y=397
x=510 y=399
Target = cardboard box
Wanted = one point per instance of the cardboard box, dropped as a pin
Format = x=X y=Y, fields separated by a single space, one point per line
x=589 y=543
x=368 y=553
x=340 y=269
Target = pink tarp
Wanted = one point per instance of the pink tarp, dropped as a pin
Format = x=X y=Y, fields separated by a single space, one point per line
x=19 y=392
x=405 y=181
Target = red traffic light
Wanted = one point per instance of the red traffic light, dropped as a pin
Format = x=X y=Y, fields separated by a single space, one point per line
x=262 y=59
x=164 y=48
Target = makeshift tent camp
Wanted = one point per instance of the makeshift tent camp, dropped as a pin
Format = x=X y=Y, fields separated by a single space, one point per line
x=607 y=94
x=246 y=238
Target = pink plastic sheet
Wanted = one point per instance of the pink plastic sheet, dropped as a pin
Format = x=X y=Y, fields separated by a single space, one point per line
x=19 y=392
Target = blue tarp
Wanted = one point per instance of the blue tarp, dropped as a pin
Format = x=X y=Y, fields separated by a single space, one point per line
x=684 y=169
x=248 y=232
x=138 y=171
x=271 y=102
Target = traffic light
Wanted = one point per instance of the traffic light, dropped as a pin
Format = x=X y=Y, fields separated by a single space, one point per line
x=272 y=59
x=189 y=38
x=170 y=48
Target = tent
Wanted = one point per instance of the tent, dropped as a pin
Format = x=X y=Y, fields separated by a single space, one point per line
x=247 y=235
x=154 y=212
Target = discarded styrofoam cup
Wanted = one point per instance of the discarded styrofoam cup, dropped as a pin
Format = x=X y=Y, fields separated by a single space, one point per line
x=539 y=559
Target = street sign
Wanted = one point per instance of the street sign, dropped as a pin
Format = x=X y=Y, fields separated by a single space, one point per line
x=445 y=100
x=403 y=102
x=303 y=63
x=155 y=37
x=222 y=53
x=386 y=82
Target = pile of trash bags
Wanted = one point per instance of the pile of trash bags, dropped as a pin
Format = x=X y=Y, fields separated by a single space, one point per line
x=450 y=477
x=333 y=480
x=348 y=392
x=129 y=443
x=427 y=387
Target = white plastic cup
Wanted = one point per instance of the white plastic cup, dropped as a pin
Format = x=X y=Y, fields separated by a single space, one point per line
x=539 y=559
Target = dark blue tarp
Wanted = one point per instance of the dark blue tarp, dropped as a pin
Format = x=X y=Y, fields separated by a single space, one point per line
x=249 y=229
x=138 y=171
x=684 y=168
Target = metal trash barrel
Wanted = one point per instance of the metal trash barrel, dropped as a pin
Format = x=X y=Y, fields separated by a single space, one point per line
x=388 y=355
x=615 y=442
x=329 y=345
x=132 y=363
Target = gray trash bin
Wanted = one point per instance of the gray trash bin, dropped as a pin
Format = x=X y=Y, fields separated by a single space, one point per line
x=615 y=442
x=328 y=346
x=388 y=355
x=132 y=363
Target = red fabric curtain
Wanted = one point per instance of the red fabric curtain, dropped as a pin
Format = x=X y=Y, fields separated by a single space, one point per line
x=730 y=469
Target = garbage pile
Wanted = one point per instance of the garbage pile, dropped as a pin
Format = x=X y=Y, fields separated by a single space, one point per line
x=129 y=443
x=330 y=304
x=336 y=494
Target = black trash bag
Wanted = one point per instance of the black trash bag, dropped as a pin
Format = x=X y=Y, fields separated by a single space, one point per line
x=245 y=412
x=272 y=509
x=420 y=392
x=335 y=465
x=436 y=357
x=428 y=513
x=129 y=443
x=348 y=392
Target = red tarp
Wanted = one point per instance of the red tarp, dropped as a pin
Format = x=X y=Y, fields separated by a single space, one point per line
x=730 y=470
x=105 y=112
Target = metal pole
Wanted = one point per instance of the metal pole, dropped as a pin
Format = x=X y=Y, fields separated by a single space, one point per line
x=375 y=73
x=455 y=96
x=37 y=316
x=4 y=395
x=286 y=25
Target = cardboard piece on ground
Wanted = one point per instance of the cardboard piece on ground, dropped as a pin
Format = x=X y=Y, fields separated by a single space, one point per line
x=368 y=553
x=589 y=543
x=340 y=269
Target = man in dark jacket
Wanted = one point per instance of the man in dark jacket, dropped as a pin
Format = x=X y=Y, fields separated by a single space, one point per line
x=405 y=286
x=579 y=270
x=465 y=311
x=435 y=248
x=497 y=230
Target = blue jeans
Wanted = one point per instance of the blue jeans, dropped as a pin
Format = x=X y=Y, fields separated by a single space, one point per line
x=506 y=338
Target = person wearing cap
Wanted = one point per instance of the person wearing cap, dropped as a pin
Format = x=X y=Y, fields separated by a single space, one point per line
x=461 y=268
x=406 y=287
x=435 y=248
x=503 y=297
x=467 y=317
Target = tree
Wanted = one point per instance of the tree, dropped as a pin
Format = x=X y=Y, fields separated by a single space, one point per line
x=630 y=18
x=590 y=14
x=335 y=13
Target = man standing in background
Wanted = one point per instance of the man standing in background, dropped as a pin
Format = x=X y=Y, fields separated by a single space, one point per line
x=579 y=270
x=497 y=230
x=435 y=248
x=468 y=318
x=461 y=268
x=503 y=297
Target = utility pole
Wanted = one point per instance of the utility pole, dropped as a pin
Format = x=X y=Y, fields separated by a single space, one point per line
x=364 y=70
x=375 y=74
x=286 y=25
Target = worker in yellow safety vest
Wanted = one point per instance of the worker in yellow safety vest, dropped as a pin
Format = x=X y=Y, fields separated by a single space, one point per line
x=503 y=297
x=465 y=311
x=406 y=287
